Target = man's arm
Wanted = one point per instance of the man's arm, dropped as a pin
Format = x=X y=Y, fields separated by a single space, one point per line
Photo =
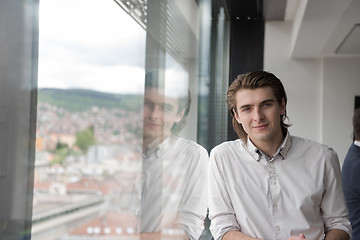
x=237 y=235
x=159 y=236
x=221 y=211
x=300 y=237
x=193 y=206
x=336 y=234
x=333 y=205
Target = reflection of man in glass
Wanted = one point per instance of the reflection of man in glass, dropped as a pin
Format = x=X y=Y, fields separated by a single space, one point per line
x=173 y=200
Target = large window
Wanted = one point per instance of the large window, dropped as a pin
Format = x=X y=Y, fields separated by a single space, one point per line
x=91 y=85
x=104 y=69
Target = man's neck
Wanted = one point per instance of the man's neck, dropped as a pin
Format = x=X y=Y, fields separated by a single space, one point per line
x=270 y=148
x=150 y=142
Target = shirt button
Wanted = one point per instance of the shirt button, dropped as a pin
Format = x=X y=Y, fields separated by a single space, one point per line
x=277 y=228
x=275 y=205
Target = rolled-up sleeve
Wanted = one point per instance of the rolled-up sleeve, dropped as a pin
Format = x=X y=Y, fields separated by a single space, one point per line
x=333 y=205
x=221 y=211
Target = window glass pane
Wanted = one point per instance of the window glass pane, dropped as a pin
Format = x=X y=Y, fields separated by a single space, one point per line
x=116 y=152
x=89 y=124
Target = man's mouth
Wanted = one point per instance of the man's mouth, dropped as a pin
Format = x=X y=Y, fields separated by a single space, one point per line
x=260 y=126
x=151 y=124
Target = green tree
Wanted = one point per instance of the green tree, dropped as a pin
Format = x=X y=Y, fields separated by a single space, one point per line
x=60 y=153
x=61 y=145
x=85 y=138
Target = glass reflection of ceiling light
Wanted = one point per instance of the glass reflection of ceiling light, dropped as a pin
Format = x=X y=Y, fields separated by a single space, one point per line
x=136 y=9
x=107 y=230
x=97 y=230
x=130 y=230
x=89 y=230
x=119 y=230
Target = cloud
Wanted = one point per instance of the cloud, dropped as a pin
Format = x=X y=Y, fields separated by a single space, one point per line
x=90 y=44
x=176 y=79
x=112 y=79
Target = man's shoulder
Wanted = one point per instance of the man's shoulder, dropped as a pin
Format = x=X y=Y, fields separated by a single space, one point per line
x=352 y=158
x=235 y=145
x=187 y=144
x=308 y=143
x=354 y=149
x=316 y=149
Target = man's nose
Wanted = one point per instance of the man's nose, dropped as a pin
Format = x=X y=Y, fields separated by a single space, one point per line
x=156 y=112
x=258 y=115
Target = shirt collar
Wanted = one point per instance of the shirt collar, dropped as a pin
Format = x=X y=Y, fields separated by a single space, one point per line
x=252 y=149
x=286 y=145
x=282 y=150
x=157 y=149
x=357 y=143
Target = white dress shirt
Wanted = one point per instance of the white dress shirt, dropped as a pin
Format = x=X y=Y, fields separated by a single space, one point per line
x=174 y=188
x=297 y=191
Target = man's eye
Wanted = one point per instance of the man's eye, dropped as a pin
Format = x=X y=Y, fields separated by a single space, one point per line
x=147 y=103
x=245 y=109
x=167 y=109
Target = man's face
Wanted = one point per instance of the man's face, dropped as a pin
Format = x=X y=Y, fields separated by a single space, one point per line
x=259 y=113
x=160 y=114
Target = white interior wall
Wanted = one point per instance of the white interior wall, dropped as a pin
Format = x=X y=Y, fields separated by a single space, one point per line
x=341 y=85
x=301 y=79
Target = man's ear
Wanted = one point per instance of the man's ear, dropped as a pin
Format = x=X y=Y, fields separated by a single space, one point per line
x=282 y=106
x=236 y=116
x=180 y=115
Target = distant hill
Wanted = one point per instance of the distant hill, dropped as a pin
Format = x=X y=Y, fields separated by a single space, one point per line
x=82 y=99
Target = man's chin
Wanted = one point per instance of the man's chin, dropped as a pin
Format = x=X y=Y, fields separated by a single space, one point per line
x=260 y=137
x=150 y=135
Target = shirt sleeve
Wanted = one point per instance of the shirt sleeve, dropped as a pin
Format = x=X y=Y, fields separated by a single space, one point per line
x=221 y=211
x=194 y=200
x=333 y=206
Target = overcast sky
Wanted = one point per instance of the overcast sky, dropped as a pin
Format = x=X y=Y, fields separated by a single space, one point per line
x=90 y=44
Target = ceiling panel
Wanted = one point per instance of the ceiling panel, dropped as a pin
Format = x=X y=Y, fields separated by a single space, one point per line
x=351 y=44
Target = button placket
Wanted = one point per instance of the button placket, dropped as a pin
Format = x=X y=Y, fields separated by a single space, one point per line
x=272 y=176
x=272 y=173
x=274 y=202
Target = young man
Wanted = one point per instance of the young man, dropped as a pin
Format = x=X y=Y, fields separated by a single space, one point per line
x=351 y=178
x=269 y=184
x=174 y=187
